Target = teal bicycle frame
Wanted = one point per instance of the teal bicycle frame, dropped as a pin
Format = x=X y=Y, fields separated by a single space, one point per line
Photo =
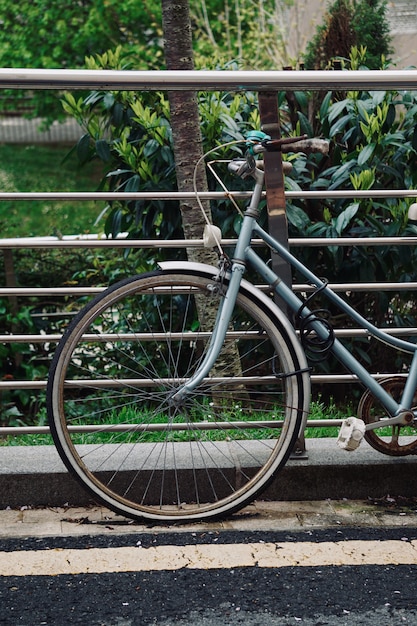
x=244 y=255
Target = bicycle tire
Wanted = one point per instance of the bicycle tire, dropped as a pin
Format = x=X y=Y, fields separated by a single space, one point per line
x=113 y=375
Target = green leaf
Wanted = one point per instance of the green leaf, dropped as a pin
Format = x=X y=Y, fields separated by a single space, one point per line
x=117 y=114
x=108 y=100
x=84 y=148
x=363 y=110
x=366 y=154
x=133 y=184
x=391 y=115
x=325 y=105
x=115 y=222
x=414 y=139
x=336 y=109
x=339 y=125
x=301 y=98
x=103 y=150
x=151 y=147
x=341 y=174
x=167 y=155
x=397 y=139
x=93 y=98
x=305 y=124
x=343 y=220
x=378 y=97
x=297 y=217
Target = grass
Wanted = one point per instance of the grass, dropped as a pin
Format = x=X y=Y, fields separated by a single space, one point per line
x=43 y=168
x=318 y=411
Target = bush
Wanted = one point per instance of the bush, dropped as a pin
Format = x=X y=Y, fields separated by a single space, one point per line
x=348 y=24
x=374 y=141
x=130 y=132
x=373 y=147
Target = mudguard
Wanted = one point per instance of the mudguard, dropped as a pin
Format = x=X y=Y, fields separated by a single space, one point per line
x=267 y=304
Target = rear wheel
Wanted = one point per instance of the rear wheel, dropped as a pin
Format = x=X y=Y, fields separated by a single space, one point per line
x=120 y=433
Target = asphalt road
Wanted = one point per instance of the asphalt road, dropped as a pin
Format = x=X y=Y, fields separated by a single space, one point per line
x=313 y=577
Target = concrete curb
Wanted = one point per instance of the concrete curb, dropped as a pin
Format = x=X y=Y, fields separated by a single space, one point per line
x=35 y=476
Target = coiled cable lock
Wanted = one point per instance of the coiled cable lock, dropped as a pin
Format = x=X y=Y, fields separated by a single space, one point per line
x=316 y=348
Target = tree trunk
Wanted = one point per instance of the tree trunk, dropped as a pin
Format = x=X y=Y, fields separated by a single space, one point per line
x=185 y=124
x=187 y=140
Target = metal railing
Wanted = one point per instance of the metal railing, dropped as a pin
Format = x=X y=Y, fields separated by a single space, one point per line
x=94 y=242
x=165 y=80
x=157 y=80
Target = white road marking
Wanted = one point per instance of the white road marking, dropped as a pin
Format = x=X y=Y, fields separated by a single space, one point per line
x=213 y=556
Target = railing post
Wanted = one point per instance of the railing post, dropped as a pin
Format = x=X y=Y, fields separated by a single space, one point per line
x=277 y=215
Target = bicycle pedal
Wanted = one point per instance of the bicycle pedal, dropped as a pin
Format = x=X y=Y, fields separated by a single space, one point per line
x=351 y=433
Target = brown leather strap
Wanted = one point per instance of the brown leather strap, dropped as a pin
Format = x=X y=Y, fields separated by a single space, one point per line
x=274 y=182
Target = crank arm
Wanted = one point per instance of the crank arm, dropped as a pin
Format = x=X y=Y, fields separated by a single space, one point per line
x=353 y=429
x=405 y=418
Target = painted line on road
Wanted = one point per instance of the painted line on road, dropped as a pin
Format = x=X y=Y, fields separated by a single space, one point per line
x=267 y=555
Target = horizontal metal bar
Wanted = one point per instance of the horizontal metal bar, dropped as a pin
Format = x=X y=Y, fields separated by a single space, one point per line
x=52 y=338
x=203 y=195
x=353 y=241
x=143 y=336
x=348 y=378
x=50 y=291
x=81 y=291
x=16 y=431
x=152 y=80
x=93 y=241
x=12 y=384
x=343 y=333
x=315 y=378
x=356 y=194
x=344 y=287
x=149 y=428
x=111 y=196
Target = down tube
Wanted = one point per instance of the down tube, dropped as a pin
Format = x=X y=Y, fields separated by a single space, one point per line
x=344 y=356
x=396 y=342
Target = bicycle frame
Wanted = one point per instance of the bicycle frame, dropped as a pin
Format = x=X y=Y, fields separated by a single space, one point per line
x=244 y=255
x=338 y=349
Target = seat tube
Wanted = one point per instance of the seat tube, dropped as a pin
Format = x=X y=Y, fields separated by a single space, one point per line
x=410 y=385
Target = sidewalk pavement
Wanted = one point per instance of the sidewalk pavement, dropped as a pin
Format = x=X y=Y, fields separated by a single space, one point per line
x=261 y=516
x=330 y=486
x=36 y=476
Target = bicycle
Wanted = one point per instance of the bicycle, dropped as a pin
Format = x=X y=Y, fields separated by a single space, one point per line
x=178 y=394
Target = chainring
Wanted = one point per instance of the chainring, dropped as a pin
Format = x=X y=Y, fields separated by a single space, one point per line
x=394 y=440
